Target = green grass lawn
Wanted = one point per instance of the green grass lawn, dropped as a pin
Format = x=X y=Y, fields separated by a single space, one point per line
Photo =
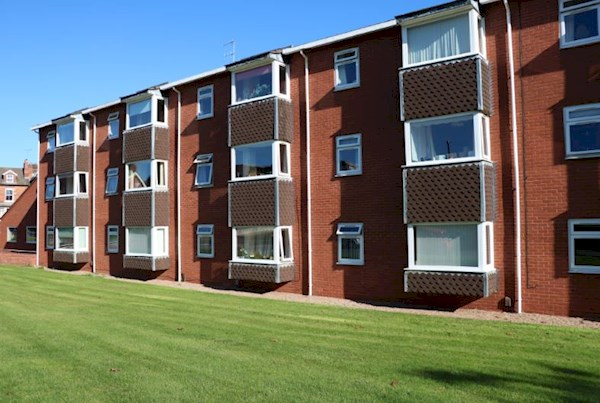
x=84 y=338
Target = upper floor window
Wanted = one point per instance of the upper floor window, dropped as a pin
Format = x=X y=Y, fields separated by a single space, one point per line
x=205 y=102
x=49 y=188
x=443 y=39
x=347 y=71
x=146 y=111
x=584 y=246
x=71 y=184
x=143 y=175
x=10 y=178
x=260 y=159
x=262 y=244
x=449 y=138
x=31 y=235
x=113 y=125
x=348 y=155
x=112 y=181
x=73 y=130
x=9 y=195
x=582 y=130
x=579 y=22
x=51 y=141
x=260 y=82
x=204 y=170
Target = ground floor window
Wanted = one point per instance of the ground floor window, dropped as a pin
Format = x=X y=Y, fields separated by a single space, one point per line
x=31 y=235
x=147 y=241
x=205 y=240
x=49 y=237
x=351 y=248
x=11 y=234
x=72 y=239
x=262 y=244
x=112 y=239
x=584 y=246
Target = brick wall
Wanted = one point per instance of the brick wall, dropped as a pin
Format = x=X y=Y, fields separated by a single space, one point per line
x=21 y=215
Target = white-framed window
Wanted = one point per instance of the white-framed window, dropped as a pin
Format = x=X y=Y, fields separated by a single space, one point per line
x=9 y=195
x=72 y=131
x=260 y=82
x=260 y=160
x=144 y=175
x=455 y=35
x=114 y=130
x=582 y=130
x=71 y=184
x=584 y=246
x=51 y=141
x=9 y=178
x=112 y=239
x=347 y=69
x=49 y=237
x=49 y=188
x=205 y=240
x=31 y=235
x=205 y=102
x=454 y=138
x=204 y=170
x=579 y=22
x=351 y=244
x=466 y=247
x=262 y=244
x=11 y=234
x=112 y=181
x=71 y=239
x=147 y=241
x=348 y=151
x=145 y=111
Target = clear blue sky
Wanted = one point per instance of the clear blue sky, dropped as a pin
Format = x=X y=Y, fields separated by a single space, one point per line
x=57 y=56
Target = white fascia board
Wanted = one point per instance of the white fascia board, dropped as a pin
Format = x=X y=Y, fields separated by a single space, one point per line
x=193 y=78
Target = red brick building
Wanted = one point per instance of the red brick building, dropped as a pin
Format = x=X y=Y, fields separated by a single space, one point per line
x=379 y=164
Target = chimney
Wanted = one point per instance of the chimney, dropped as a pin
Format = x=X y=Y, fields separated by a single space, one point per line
x=27 y=169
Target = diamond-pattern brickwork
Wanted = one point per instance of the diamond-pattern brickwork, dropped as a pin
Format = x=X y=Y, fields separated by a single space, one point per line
x=489 y=174
x=449 y=193
x=83 y=158
x=253 y=122
x=138 y=262
x=451 y=283
x=161 y=143
x=252 y=203
x=63 y=212
x=137 y=209
x=161 y=208
x=82 y=212
x=70 y=257
x=265 y=273
x=137 y=144
x=287 y=202
x=286 y=120
x=445 y=88
x=64 y=159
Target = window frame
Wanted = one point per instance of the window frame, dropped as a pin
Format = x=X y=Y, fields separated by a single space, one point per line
x=50 y=236
x=76 y=121
x=27 y=235
x=210 y=234
x=51 y=144
x=10 y=178
x=11 y=192
x=10 y=232
x=199 y=114
x=568 y=122
x=154 y=103
x=359 y=235
x=153 y=241
x=275 y=161
x=50 y=182
x=76 y=188
x=341 y=147
x=485 y=257
x=204 y=161
x=112 y=231
x=275 y=81
x=574 y=235
x=481 y=134
x=153 y=176
x=567 y=11
x=337 y=63
x=112 y=175
x=76 y=244
x=111 y=119
x=277 y=245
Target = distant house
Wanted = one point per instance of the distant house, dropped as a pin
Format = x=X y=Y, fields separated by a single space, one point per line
x=13 y=183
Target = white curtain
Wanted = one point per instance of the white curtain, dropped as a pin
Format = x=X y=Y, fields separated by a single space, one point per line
x=422 y=147
x=139 y=240
x=439 y=39
x=255 y=243
x=446 y=245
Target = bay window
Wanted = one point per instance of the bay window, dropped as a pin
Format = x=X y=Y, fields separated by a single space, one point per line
x=71 y=184
x=147 y=241
x=260 y=82
x=144 y=175
x=145 y=111
x=72 y=239
x=266 y=159
x=466 y=247
x=262 y=244
x=448 y=138
x=71 y=131
x=579 y=22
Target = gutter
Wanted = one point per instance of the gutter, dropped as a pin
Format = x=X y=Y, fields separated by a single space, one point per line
x=308 y=174
x=178 y=183
x=93 y=194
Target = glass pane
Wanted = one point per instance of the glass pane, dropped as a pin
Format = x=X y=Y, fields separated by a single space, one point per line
x=111 y=184
x=283 y=160
x=49 y=191
x=66 y=133
x=140 y=175
x=346 y=141
x=31 y=235
x=446 y=245
x=12 y=235
x=585 y=137
x=66 y=239
x=587 y=227
x=140 y=113
x=584 y=113
x=82 y=184
x=139 y=241
x=160 y=243
x=286 y=244
x=160 y=110
x=82 y=131
x=113 y=128
x=587 y=252
x=205 y=106
x=65 y=185
x=113 y=242
x=50 y=237
x=51 y=143
x=441 y=140
x=203 y=174
x=253 y=161
x=205 y=245
x=350 y=248
x=488 y=245
x=253 y=83
x=347 y=73
x=82 y=238
x=282 y=80
x=161 y=178
x=439 y=39
x=348 y=159
x=255 y=243
x=581 y=25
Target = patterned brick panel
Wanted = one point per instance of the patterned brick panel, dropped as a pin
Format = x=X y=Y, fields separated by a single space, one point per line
x=161 y=209
x=489 y=175
x=161 y=143
x=487 y=88
x=451 y=283
x=287 y=202
x=64 y=159
x=162 y=263
x=447 y=193
x=286 y=120
x=137 y=144
x=83 y=158
x=137 y=209
x=441 y=88
x=267 y=273
x=252 y=203
x=70 y=257
x=82 y=212
x=63 y=212
x=252 y=122
x=137 y=262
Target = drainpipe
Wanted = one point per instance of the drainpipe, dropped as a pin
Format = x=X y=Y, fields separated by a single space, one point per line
x=178 y=184
x=37 y=206
x=93 y=196
x=308 y=177
x=515 y=144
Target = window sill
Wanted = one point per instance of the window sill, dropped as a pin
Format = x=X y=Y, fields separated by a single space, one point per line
x=202 y=117
x=155 y=189
x=111 y=194
x=113 y=137
x=344 y=174
x=350 y=263
x=112 y=252
x=346 y=87
x=443 y=60
x=593 y=154
x=71 y=250
x=451 y=269
x=158 y=124
x=208 y=185
x=258 y=178
x=255 y=261
x=146 y=255
x=584 y=270
x=445 y=162
x=205 y=256
x=247 y=101
x=582 y=42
